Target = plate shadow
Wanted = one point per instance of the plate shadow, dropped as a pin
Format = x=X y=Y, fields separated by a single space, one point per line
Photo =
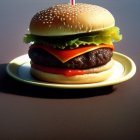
x=11 y=86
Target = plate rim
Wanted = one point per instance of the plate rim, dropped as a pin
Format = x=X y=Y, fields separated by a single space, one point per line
x=76 y=86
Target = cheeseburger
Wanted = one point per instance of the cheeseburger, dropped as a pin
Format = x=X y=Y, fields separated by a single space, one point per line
x=72 y=44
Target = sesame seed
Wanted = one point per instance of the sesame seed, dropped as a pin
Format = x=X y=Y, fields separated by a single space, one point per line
x=66 y=16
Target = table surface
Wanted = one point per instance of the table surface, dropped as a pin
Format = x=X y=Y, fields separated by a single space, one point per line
x=39 y=113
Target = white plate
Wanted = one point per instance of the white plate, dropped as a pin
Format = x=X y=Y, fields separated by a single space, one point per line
x=124 y=69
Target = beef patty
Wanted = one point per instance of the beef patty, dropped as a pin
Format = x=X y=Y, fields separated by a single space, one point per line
x=90 y=59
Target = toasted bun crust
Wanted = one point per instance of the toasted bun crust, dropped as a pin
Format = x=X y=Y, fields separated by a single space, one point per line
x=67 y=19
x=94 y=75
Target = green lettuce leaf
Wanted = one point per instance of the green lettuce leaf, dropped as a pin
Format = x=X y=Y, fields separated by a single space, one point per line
x=107 y=36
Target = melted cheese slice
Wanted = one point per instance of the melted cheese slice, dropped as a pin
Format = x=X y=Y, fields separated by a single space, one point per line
x=65 y=55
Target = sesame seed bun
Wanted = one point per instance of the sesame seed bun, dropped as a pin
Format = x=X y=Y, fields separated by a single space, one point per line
x=67 y=19
x=93 y=75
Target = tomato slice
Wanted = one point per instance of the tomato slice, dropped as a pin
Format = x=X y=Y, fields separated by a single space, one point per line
x=66 y=72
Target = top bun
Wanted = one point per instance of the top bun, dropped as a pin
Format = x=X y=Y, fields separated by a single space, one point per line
x=67 y=19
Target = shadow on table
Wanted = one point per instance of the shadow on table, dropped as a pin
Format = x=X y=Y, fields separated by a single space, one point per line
x=12 y=86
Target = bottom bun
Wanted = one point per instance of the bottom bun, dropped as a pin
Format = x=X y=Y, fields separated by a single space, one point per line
x=98 y=74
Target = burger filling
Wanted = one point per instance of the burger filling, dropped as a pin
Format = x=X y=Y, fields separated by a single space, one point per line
x=74 y=41
x=75 y=52
x=87 y=60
